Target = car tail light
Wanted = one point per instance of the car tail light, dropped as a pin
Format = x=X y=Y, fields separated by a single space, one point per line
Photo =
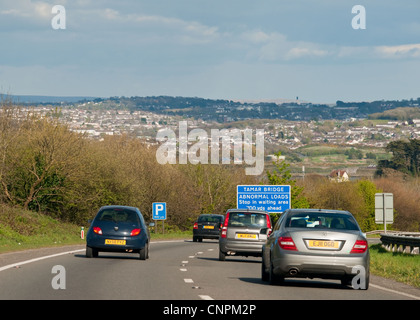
x=224 y=228
x=360 y=246
x=195 y=225
x=135 y=232
x=97 y=230
x=287 y=243
x=268 y=224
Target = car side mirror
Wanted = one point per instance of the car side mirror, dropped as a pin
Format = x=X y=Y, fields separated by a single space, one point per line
x=151 y=224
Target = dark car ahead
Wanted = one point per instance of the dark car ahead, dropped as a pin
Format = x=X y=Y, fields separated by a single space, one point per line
x=118 y=229
x=316 y=243
x=207 y=226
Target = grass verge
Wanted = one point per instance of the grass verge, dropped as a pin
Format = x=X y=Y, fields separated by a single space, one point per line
x=398 y=266
x=21 y=230
x=171 y=235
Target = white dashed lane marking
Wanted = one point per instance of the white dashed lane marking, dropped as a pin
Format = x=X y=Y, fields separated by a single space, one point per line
x=183 y=263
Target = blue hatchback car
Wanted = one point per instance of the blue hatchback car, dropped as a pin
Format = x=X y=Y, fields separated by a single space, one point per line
x=118 y=229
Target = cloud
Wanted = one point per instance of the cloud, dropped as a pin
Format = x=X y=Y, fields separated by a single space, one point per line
x=255 y=36
x=31 y=10
x=88 y=19
x=111 y=14
x=158 y=26
x=306 y=50
x=405 y=51
x=400 y=51
x=188 y=32
x=276 y=47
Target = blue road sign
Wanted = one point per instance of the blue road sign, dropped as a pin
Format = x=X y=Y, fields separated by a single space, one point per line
x=159 y=210
x=270 y=198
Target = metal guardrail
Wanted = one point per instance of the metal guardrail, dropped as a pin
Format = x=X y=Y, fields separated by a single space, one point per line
x=408 y=242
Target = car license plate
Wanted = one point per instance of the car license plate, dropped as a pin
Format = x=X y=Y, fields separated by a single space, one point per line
x=115 y=242
x=208 y=227
x=323 y=244
x=246 y=236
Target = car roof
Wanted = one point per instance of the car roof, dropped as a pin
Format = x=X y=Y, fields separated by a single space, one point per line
x=318 y=210
x=247 y=210
x=119 y=207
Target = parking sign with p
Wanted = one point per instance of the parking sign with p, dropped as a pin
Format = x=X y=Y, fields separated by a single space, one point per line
x=159 y=210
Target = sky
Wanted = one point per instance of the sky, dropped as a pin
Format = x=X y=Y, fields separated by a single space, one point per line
x=217 y=49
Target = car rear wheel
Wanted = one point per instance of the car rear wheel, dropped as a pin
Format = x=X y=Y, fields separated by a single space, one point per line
x=91 y=252
x=264 y=274
x=274 y=279
x=144 y=252
x=222 y=256
x=346 y=281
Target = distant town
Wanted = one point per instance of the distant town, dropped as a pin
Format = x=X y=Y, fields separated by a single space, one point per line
x=345 y=124
x=292 y=127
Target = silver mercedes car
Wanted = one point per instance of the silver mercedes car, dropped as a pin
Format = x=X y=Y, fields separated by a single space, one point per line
x=316 y=243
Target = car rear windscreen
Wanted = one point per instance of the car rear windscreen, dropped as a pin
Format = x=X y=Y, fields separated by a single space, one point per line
x=322 y=220
x=247 y=219
x=118 y=215
x=209 y=218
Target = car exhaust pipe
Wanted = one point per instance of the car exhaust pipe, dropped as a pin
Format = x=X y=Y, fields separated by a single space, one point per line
x=293 y=271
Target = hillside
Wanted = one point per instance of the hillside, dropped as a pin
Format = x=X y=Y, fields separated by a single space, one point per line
x=225 y=110
x=228 y=110
x=398 y=114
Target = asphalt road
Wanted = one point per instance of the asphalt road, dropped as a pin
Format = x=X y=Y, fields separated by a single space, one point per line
x=176 y=270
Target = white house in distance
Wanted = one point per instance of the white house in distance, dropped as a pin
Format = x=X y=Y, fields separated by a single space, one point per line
x=339 y=175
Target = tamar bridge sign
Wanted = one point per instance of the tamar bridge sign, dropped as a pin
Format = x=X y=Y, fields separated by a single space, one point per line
x=270 y=198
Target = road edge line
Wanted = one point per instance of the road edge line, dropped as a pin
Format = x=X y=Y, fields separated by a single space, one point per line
x=38 y=259
x=395 y=291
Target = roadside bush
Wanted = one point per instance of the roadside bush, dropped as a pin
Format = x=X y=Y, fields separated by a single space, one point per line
x=406 y=191
x=47 y=168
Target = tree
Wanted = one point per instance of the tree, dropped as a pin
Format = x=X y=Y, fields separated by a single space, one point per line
x=405 y=157
x=353 y=154
x=281 y=176
x=9 y=132
x=45 y=155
